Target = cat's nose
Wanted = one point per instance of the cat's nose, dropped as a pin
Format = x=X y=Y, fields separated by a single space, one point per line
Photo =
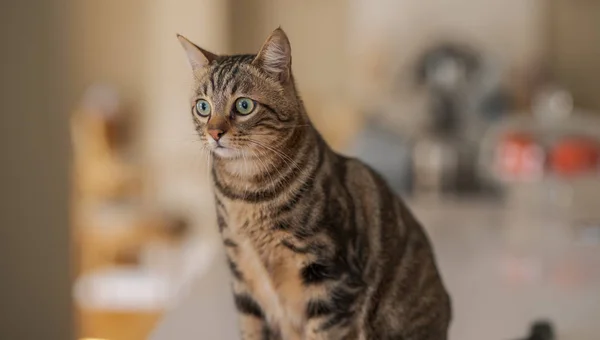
x=216 y=134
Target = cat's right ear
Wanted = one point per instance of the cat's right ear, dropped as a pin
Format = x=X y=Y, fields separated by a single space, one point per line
x=198 y=57
x=275 y=56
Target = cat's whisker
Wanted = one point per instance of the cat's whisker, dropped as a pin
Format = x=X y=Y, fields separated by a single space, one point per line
x=262 y=166
x=279 y=128
x=265 y=169
x=272 y=149
x=207 y=155
x=246 y=190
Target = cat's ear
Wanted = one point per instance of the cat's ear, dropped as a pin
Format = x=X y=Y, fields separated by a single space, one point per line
x=275 y=56
x=197 y=56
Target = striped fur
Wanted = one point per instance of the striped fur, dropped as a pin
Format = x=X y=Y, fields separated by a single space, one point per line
x=318 y=245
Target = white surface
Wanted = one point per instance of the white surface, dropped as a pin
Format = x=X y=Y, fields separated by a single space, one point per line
x=506 y=267
x=122 y=289
x=206 y=312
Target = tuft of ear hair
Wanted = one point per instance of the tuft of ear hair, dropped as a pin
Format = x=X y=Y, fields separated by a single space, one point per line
x=198 y=57
x=275 y=56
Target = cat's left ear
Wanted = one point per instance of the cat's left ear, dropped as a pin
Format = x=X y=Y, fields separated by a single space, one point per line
x=275 y=56
x=197 y=56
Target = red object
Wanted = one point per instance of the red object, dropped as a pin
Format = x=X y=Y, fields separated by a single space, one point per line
x=520 y=157
x=575 y=156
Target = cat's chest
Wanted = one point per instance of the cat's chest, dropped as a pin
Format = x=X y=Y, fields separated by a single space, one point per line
x=269 y=270
x=254 y=231
x=260 y=248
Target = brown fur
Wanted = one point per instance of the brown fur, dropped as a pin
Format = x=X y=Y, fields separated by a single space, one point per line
x=319 y=247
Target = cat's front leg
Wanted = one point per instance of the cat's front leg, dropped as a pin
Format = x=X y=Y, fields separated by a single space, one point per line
x=315 y=330
x=252 y=328
x=251 y=316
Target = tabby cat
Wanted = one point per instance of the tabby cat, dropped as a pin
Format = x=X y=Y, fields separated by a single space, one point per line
x=318 y=245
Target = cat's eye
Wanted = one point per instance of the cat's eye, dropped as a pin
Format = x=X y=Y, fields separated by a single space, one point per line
x=202 y=108
x=244 y=106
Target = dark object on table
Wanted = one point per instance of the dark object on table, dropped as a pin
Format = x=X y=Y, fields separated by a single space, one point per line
x=465 y=97
x=447 y=71
x=541 y=330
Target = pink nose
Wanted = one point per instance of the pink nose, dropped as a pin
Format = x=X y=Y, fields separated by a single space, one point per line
x=216 y=134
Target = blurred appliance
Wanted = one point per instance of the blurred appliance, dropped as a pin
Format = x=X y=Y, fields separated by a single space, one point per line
x=464 y=98
x=435 y=165
x=446 y=72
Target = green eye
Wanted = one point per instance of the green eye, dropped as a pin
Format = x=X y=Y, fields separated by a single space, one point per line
x=244 y=106
x=202 y=108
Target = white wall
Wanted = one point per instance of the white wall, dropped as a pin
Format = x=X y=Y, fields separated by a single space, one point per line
x=512 y=31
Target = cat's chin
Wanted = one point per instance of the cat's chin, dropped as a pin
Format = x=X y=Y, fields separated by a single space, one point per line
x=225 y=153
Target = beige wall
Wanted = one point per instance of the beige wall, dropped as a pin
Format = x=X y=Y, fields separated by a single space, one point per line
x=317 y=30
x=389 y=34
x=108 y=39
x=575 y=48
x=35 y=275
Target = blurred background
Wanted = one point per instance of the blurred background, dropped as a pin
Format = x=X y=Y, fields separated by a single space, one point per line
x=482 y=114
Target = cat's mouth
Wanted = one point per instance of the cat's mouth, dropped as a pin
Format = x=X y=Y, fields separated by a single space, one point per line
x=223 y=151
x=217 y=144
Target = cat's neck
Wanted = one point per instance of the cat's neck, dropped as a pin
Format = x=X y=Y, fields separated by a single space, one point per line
x=243 y=176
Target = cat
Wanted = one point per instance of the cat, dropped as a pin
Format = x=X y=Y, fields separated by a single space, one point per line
x=318 y=245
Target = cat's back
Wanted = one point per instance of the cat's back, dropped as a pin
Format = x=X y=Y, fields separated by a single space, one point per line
x=370 y=192
x=405 y=294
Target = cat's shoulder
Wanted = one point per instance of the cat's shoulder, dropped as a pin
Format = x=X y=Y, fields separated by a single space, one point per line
x=360 y=173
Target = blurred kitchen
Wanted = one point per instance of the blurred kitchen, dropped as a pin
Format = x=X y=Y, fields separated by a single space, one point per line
x=483 y=114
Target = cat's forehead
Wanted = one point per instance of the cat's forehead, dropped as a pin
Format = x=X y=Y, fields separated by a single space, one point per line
x=225 y=74
x=225 y=60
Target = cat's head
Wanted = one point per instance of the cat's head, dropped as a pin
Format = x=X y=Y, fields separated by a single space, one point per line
x=244 y=105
